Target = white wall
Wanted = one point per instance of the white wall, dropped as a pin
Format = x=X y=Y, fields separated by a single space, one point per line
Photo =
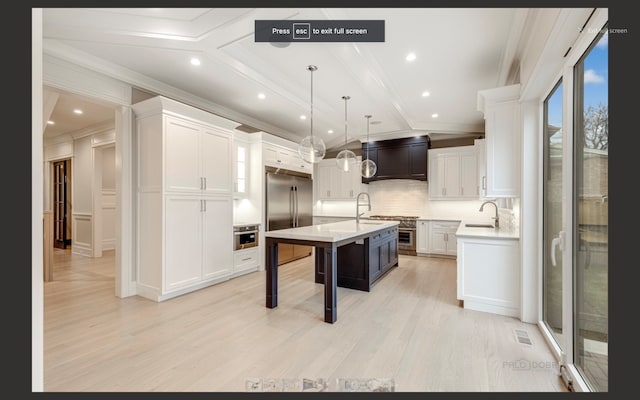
x=82 y=213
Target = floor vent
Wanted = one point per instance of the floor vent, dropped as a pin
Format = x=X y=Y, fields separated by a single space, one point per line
x=522 y=337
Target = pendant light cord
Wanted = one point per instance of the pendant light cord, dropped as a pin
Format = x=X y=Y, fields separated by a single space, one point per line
x=311 y=134
x=345 y=119
x=368 y=117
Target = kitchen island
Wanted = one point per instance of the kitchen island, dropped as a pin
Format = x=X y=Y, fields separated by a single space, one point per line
x=377 y=239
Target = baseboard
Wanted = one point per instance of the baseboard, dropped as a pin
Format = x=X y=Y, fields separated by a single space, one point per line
x=147 y=292
x=491 y=308
x=193 y=288
x=109 y=244
x=245 y=271
x=82 y=250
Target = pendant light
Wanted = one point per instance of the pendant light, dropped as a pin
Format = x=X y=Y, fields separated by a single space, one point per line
x=346 y=159
x=312 y=149
x=368 y=168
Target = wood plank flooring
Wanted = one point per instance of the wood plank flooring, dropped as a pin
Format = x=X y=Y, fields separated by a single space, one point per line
x=409 y=328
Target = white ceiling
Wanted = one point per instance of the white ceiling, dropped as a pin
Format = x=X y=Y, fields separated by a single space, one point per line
x=459 y=51
x=66 y=121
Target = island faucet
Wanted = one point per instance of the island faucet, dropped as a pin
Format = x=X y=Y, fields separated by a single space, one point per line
x=497 y=225
x=368 y=204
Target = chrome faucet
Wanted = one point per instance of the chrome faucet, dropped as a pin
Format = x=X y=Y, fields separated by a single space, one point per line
x=368 y=204
x=496 y=217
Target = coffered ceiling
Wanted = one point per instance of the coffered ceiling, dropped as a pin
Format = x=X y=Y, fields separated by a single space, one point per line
x=458 y=52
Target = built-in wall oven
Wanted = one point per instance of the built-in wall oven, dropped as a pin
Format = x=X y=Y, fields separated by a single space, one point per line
x=245 y=236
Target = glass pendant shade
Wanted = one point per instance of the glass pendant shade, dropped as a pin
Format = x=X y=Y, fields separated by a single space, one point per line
x=346 y=159
x=312 y=149
x=368 y=168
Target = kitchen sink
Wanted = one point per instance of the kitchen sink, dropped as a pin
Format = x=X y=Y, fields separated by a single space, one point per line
x=479 y=226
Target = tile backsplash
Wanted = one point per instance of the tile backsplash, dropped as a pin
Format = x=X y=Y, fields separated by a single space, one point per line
x=411 y=198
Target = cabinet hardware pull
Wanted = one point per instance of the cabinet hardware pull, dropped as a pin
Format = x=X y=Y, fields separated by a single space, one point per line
x=205 y=183
x=478 y=190
x=204 y=202
x=462 y=191
x=246 y=259
x=279 y=160
x=484 y=182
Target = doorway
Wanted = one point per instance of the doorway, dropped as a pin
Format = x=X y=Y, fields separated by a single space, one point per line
x=61 y=204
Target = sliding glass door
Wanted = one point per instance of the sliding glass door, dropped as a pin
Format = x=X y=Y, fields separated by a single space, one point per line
x=575 y=215
x=553 y=222
x=591 y=214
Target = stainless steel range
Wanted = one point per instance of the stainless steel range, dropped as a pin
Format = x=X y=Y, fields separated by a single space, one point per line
x=406 y=232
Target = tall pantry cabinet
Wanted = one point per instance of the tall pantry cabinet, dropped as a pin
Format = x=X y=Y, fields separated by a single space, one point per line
x=184 y=198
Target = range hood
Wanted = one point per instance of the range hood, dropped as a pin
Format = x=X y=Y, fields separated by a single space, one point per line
x=404 y=158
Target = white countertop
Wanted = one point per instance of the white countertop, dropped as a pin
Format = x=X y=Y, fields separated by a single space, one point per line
x=331 y=232
x=488 y=233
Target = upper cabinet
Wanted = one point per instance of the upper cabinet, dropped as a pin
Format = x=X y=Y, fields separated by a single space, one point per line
x=501 y=108
x=332 y=183
x=453 y=173
x=398 y=158
x=240 y=168
x=284 y=157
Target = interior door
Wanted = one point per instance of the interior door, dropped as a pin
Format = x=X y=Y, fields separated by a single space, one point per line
x=60 y=204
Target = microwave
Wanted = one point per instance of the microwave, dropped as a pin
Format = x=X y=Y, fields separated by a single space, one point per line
x=245 y=236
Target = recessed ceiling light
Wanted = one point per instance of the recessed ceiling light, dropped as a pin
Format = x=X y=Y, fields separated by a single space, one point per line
x=261 y=96
x=303 y=117
x=51 y=122
x=411 y=57
x=426 y=94
x=330 y=131
x=195 y=61
x=77 y=111
x=434 y=115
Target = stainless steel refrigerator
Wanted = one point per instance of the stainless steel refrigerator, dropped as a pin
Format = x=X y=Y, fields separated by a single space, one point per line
x=289 y=205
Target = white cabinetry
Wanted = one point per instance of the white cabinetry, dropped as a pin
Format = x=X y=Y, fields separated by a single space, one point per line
x=422 y=237
x=453 y=173
x=480 y=145
x=335 y=184
x=284 y=157
x=245 y=261
x=501 y=108
x=197 y=157
x=488 y=275
x=184 y=205
x=442 y=237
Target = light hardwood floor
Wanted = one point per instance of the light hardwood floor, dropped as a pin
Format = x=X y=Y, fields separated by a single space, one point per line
x=409 y=328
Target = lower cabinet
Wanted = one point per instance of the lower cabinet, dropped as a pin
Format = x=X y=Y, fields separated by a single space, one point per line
x=360 y=265
x=191 y=250
x=245 y=261
x=442 y=238
x=422 y=237
x=488 y=275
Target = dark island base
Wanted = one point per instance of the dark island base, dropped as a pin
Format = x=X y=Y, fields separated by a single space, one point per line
x=362 y=263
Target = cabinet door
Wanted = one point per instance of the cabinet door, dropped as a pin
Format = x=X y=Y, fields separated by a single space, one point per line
x=329 y=180
x=452 y=176
x=374 y=262
x=418 y=160
x=183 y=242
x=469 y=187
x=503 y=149
x=480 y=146
x=182 y=156
x=436 y=177
x=285 y=157
x=350 y=182
x=438 y=241
x=452 y=243
x=217 y=237
x=216 y=150
x=270 y=155
x=422 y=237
